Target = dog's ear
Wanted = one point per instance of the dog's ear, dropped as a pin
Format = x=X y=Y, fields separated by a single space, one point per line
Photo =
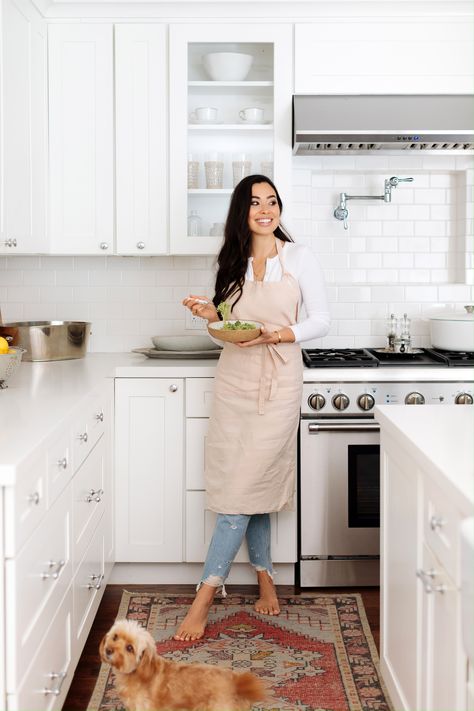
x=148 y=662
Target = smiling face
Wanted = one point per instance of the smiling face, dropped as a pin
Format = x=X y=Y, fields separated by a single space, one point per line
x=264 y=213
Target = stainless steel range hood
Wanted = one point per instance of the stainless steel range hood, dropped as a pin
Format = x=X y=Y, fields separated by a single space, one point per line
x=328 y=123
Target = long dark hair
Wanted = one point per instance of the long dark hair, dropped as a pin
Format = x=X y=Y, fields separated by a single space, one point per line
x=235 y=251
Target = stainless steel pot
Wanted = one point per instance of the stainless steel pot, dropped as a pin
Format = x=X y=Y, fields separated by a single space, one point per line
x=52 y=340
x=453 y=330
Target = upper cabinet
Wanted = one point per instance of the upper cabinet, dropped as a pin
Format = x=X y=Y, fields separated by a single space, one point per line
x=23 y=119
x=230 y=116
x=141 y=159
x=375 y=56
x=81 y=138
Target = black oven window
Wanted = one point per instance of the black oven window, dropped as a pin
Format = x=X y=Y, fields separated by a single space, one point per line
x=364 y=485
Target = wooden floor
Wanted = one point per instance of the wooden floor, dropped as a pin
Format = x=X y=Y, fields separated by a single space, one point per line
x=89 y=664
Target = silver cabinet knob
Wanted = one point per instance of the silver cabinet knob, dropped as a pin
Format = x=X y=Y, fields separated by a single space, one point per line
x=100 y=416
x=428 y=577
x=104 y=245
x=94 y=495
x=83 y=437
x=140 y=245
x=340 y=401
x=34 y=498
x=436 y=522
x=463 y=399
x=54 y=568
x=366 y=401
x=173 y=388
x=62 y=463
x=10 y=242
x=414 y=398
x=316 y=401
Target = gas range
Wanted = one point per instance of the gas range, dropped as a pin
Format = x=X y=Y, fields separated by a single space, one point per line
x=393 y=378
x=375 y=357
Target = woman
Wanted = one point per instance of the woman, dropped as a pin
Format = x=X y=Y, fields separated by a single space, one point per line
x=251 y=442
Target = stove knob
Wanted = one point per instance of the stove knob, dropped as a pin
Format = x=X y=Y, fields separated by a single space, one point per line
x=316 y=401
x=414 y=399
x=463 y=399
x=340 y=401
x=366 y=401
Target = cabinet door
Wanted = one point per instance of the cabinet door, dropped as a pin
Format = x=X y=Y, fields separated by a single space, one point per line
x=23 y=216
x=399 y=560
x=141 y=139
x=259 y=147
x=81 y=134
x=444 y=662
x=384 y=55
x=149 y=469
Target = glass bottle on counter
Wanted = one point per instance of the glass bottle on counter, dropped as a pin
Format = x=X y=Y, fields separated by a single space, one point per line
x=392 y=332
x=194 y=224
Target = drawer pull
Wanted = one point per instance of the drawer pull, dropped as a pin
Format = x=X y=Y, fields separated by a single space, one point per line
x=437 y=522
x=57 y=689
x=94 y=495
x=54 y=574
x=427 y=577
x=83 y=437
x=100 y=416
x=95 y=585
x=34 y=498
x=173 y=388
x=62 y=463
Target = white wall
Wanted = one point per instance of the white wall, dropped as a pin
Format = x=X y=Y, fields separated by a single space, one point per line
x=402 y=257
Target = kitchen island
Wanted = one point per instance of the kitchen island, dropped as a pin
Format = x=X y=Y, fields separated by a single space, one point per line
x=427 y=493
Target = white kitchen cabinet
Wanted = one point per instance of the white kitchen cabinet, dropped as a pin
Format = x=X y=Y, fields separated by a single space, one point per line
x=57 y=553
x=266 y=145
x=141 y=160
x=422 y=658
x=24 y=126
x=199 y=523
x=81 y=138
x=377 y=55
x=149 y=469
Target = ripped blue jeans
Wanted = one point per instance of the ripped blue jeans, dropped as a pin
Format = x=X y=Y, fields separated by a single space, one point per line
x=228 y=535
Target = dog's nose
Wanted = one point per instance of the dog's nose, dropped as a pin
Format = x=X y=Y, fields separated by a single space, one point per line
x=108 y=652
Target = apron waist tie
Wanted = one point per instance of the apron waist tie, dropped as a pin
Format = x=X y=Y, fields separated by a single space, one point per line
x=276 y=356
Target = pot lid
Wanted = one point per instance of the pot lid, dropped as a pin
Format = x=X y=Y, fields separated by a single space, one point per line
x=467 y=315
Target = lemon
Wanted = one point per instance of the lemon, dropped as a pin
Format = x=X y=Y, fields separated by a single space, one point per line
x=3 y=345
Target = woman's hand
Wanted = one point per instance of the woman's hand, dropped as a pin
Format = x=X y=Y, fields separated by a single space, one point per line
x=201 y=306
x=265 y=337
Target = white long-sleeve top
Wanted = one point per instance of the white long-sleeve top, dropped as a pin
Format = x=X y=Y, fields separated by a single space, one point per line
x=304 y=266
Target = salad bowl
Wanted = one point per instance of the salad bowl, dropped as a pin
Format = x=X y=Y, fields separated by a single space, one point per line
x=231 y=332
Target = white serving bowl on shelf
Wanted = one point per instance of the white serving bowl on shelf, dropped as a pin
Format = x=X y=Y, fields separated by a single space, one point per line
x=227 y=66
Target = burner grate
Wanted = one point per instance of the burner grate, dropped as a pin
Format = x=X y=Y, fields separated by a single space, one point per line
x=453 y=358
x=340 y=357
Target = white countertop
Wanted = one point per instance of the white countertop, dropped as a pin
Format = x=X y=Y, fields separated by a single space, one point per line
x=441 y=440
x=40 y=395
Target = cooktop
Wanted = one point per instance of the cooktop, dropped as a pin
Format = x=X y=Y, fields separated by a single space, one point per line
x=380 y=357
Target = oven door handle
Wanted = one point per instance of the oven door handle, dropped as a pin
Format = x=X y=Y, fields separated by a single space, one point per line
x=314 y=428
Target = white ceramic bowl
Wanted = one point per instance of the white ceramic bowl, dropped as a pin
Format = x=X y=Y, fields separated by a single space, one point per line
x=227 y=66
x=184 y=343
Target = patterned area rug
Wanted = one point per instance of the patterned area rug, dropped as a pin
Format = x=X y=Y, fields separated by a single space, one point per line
x=317 y=655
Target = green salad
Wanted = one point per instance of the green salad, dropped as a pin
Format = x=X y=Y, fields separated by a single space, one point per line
x=224 y=310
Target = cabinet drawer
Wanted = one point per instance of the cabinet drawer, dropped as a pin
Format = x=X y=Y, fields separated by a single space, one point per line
x=88 y=585
x=51 y=668
x=196 y=431
x=89 y=426
x=36 y=581
x=199 y=396
x=89 y=495
x=441 y=523
x=25 y=503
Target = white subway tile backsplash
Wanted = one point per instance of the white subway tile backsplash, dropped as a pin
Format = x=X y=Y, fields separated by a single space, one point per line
x=21 y=294
x=71 y=277
x=20 y=262
x=382 y=244
x=365 y=261
x=426 y=261
x=104 y=277
x=353 y=293
x=382 y=276
x=402 y=259
x=415 y=276
x=430 y=196
x=430 y=228
x=56 y=294
x=451 y=293
x=413 y=244
x=421 y=293
x=139 y=277
x=353 y=328
x=385 y=294
x=412 y=212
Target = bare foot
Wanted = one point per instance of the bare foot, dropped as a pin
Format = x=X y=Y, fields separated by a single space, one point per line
x=194 y=624
x=267 y=603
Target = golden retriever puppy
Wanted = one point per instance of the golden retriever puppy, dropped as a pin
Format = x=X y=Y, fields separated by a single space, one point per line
x=145 y=681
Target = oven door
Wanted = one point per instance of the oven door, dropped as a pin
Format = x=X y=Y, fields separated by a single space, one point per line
x=340 y=496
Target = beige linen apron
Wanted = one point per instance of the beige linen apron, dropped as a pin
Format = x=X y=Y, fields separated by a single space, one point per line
x=251 y=442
